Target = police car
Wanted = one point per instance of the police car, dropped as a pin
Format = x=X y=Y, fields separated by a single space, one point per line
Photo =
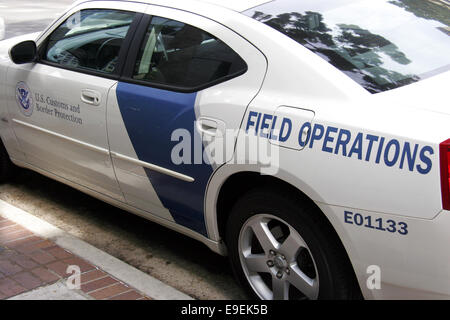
x=307 y=140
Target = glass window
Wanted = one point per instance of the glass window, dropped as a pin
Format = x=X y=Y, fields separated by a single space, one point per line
x=381 y=44
x=89 y=39
x=180 y=55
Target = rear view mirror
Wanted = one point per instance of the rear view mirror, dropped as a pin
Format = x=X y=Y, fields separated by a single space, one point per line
x=23 y=52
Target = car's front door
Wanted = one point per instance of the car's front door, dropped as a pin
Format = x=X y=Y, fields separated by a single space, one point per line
x=188 y=81
x=58 y=105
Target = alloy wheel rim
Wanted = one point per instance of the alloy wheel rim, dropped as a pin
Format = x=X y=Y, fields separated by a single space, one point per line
x=276 y=260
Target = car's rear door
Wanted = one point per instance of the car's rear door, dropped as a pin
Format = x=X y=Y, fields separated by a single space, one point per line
x=188 y=80
x=58 y=105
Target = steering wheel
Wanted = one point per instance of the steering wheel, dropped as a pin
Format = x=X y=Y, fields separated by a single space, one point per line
x=99 y=57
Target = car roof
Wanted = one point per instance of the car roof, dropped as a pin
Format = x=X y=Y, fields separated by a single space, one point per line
x=235 y=5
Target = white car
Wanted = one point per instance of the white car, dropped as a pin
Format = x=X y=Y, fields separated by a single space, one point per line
x=308 y=140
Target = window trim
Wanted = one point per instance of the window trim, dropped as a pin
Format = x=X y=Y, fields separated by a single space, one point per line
x=133 y=53
x=122 y=53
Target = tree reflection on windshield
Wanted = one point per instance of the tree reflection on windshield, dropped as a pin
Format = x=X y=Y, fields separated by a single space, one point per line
x=425 y=9
x=356 y=51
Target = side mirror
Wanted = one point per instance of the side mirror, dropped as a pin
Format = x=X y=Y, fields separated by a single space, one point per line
x=24 y=52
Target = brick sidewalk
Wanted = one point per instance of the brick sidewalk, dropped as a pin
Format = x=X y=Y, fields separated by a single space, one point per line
x=28 y=262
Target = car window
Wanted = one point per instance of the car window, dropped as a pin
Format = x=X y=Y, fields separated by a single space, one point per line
x=180 y=55
x=89 y=39
x=382 y=45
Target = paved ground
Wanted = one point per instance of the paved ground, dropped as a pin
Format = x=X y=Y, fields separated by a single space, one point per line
x=25 y=16
x=176 y=260
x=32 y=267
x=41 y=262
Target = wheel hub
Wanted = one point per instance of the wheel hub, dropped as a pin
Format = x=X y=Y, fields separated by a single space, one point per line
x=279 y=262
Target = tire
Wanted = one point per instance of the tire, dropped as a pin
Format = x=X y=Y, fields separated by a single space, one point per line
x=6 y=166
x=307 y=260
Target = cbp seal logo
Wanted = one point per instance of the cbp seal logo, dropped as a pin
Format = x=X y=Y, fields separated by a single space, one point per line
x=24 y=99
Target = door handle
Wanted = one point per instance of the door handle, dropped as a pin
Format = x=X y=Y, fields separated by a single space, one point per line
x=211 y=127
x=91 y=97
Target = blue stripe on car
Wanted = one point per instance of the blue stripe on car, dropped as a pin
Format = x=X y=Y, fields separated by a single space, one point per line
x=150 y=116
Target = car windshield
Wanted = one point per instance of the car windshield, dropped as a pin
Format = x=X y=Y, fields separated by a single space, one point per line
x=89 y=21
x=381 y=44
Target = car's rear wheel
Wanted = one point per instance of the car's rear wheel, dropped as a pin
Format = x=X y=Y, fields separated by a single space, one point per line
x=280 y=249
x=6 y=166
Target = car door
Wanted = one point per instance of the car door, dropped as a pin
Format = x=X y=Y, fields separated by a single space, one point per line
x=188 y=81
x=58 y=105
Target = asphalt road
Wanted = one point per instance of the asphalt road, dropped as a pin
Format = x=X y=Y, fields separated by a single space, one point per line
x=178 y=261
x=25 y=16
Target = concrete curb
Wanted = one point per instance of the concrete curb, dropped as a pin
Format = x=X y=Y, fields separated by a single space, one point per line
x=117 y=268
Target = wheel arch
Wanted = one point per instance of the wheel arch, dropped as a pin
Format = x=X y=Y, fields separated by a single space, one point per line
x=227 y=186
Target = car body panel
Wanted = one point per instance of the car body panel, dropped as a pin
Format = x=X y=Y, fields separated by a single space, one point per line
x=63 y=134
x=413 y=266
